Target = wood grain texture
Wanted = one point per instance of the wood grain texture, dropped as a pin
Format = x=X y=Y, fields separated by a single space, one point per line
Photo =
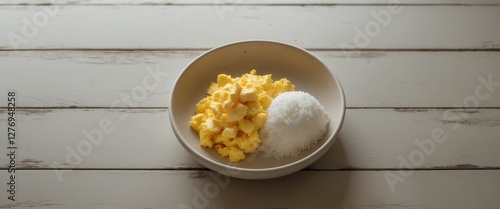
x=405 y=87
x=142 y=139
x=328 y=189
x=168 y=27
x=273 y=2
x=369 y=78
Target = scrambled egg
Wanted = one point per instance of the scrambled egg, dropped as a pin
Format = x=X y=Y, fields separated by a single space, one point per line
x=230 y=117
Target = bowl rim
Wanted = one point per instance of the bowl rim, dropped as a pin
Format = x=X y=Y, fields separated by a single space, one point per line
x=199 y=156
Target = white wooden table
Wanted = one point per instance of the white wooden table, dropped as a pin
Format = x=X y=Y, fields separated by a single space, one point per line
x=92 y=78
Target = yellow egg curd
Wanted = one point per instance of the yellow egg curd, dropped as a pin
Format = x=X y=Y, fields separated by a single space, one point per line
x=230 y=116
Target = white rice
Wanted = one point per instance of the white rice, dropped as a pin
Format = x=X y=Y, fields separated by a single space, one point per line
x=296 y=121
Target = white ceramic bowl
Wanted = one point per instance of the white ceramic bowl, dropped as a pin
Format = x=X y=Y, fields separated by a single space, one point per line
x=281 y=60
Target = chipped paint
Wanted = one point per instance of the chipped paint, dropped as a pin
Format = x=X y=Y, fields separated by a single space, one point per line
x=485 y=122
x=464 y=166
x=31 y=163
x=34 y=111
x=197 y=175
x=410 y=110
x=468 y=111
x=28 y=204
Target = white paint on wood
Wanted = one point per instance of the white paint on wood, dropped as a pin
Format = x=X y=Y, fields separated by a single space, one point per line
x=378 y=139
x=370 y=78
x=369 y=139
x=167 y=27
x=237 y=2
x=327 y=189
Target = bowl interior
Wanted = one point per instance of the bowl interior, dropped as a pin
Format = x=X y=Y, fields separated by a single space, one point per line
x=282 y=61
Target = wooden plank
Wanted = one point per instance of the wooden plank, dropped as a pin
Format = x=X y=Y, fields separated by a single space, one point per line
x=143 y=139
x=206 y=26
x=198 y=189
x=273 y=2
x=370 y=78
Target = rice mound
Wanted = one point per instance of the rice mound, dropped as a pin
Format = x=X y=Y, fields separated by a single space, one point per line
x=296 y=121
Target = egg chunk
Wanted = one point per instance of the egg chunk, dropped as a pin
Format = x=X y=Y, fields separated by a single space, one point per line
x=228 y=119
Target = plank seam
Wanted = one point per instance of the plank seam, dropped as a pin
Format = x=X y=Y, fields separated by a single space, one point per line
x=443 y=168
x=309 y=49
x=251 y=4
